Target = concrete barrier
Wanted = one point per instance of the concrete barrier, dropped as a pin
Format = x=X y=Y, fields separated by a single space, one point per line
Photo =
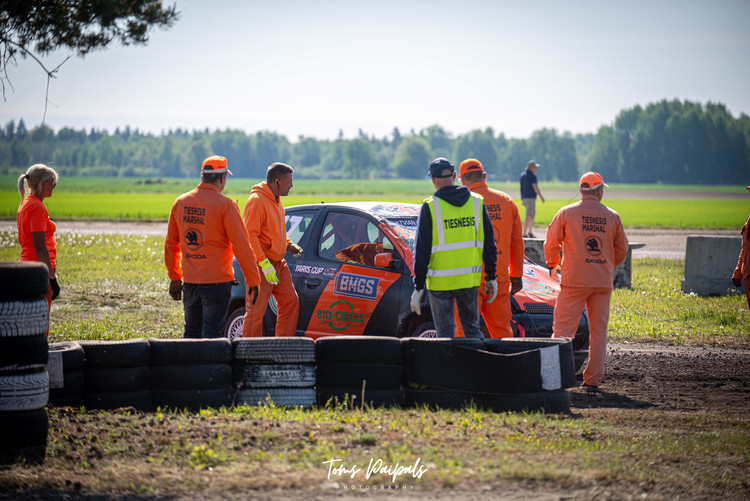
x=622 y=276
x=709 y=263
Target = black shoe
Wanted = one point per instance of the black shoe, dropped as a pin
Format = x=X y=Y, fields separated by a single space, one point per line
x=531 y=235
x=590 y=388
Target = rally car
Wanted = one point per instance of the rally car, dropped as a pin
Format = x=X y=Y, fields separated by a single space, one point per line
x=355 y=277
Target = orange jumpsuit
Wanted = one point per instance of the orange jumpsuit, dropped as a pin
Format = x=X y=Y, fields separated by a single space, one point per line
x=506 y=224
x=742 y=271
x=266 y=229
x=205 y=229
x=593 y=242
x=32 y=216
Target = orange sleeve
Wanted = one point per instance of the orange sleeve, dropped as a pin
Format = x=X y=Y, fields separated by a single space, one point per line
x=172 y=252
x=237 y=233
x=517 y=247
x=621 y=243
x=553 y=241
x=254 y=217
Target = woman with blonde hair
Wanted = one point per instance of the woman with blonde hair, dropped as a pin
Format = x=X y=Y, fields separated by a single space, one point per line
x=36 y=231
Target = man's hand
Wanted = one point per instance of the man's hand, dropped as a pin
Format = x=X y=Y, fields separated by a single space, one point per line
x=555 y=273
x=416 y=301
x=516 y=284
x=269 y=271
x=175 y=289
x=737 y=282
x=56 y=288
x=252 y=292
x=294 y=249
x=490 y=290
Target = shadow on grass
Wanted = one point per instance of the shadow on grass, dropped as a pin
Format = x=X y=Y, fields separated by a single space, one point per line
x=605 y=400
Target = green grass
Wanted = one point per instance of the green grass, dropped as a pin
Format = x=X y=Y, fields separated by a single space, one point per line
x=115 y=287
x=114 y=199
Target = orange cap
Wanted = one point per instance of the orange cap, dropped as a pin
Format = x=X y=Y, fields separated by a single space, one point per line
x=215 y=164
x=469 y=165
x=591 y=181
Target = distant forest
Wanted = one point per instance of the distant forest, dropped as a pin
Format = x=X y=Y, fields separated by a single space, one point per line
x=671 y=142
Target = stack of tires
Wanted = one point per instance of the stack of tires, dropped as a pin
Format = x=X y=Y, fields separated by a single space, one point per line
x=526 y=374
x=278 y=370
x=359 y=370
x=66 y=377
x=191 y=373
x=116 y=374
x=421 y=391
x=24 y=383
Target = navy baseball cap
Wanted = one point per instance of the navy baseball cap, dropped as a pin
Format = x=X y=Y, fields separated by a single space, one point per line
x=439 y=165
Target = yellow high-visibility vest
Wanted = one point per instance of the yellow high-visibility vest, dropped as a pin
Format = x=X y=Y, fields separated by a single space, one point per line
x=457 y=244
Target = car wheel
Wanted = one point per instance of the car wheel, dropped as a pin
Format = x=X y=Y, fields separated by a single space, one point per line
x=425 y=330
x=233 y=327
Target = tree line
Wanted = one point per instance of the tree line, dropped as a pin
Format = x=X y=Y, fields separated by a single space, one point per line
x=665 y=142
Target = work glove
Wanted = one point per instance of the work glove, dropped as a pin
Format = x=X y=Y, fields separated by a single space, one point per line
x=252 y=292
x=516 y=284
x=737 y=282
x=555 y=273
x=175 y=289
x=490 y=290
x=56 y=288
x=416 y=301
x=294 y=249
x=269 y=271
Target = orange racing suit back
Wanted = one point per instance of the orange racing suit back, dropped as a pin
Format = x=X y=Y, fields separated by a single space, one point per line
x=205 y=229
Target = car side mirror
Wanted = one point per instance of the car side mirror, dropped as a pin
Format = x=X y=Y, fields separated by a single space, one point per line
x=384 y=260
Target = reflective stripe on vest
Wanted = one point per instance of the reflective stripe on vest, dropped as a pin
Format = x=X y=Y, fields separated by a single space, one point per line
x=467 y=251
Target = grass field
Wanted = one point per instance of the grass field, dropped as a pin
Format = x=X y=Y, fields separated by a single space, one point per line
x=113 y=199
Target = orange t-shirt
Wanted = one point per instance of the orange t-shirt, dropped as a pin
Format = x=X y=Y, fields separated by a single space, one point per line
x=593 y=243
x=32 y=216
x=506 y=223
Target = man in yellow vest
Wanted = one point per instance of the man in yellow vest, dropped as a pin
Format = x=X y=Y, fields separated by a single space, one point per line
x=454 y=238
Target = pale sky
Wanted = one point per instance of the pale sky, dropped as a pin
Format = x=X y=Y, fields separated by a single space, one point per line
x=313 y=68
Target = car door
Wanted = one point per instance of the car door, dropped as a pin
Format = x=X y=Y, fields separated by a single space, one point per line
x=341 y=290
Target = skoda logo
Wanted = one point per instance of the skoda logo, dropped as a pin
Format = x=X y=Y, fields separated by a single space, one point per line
x=193 y=239
x=594 y=246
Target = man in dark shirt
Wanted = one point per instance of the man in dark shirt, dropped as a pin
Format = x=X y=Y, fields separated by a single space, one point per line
x=529 y=191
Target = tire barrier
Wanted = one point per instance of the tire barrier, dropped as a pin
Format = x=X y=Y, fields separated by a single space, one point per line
x=191 y=373
x=24 y=382
x=66 y=379
x=509 y=374
x=359 y=370
x=278 y=370
x=116 y=374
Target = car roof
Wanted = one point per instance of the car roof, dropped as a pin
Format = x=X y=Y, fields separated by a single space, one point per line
x=375 y=208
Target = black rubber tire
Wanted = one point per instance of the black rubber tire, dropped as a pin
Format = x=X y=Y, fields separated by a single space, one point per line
x=449 y=367
x=139 y=400
x=71 y=393
x=358 y=350
x=273 y=375
x=34 y=455
x=24 y=391
x=282 y=397
x=191 y=377
x=352 y=398
x=558 y=372
x=351 y=376
x=551 y=402
x=288 y=350
x=24 y=317
x=190 y=351
x=473 y=343
x=23 y=353
x=118 y=380
x=23 y=280
x=116 y=354
x=72 y=354
x=23 y=428
x=441 y=399
x=234 y=324
x=192 y=400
